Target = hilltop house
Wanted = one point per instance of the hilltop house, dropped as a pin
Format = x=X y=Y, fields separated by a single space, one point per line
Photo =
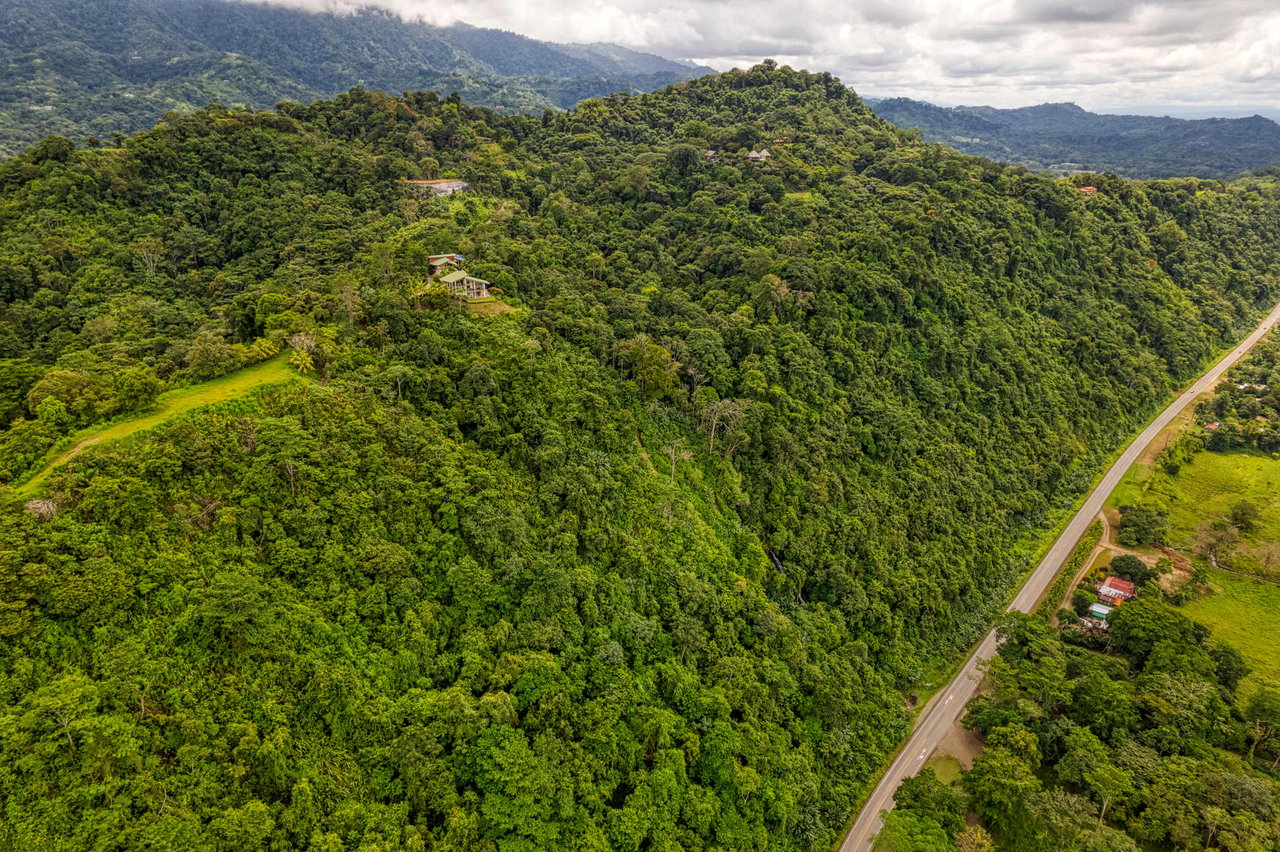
x=1115 y=591
x=444 y=186
x=466 y=286
x=759 y=156
x=447 y=269
x=1089 y=190
x=439 y=262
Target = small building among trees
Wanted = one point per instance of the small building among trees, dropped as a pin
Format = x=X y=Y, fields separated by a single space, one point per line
x=442 y=186
x=1115 y=590
x=437 y=263
x=446 y=271
x=467 y=286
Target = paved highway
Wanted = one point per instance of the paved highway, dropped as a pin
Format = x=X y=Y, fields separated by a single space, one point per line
x=945 y=707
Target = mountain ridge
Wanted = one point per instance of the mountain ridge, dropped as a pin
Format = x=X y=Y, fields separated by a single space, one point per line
x=77 y=68
x=1066 y=137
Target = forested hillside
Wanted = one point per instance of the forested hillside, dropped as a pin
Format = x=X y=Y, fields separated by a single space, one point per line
x=647 y=563
x=1066 y=138
x=96 y=67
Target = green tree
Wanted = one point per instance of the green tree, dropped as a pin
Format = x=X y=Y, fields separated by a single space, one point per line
x=1105 y=705
x=1262 y=716
x=655 y=372
x=1143 y=525
x=1243 y=515
x=211 y=356
x=136 y=389
x=1081 y=600
x=910 y=831
x=1229 y=665
x=1001 y=784
x=1107 y=784
x=923 y=792
x=1133 y=569
x=974 y=838
x=1139 y=625
x=17 y=375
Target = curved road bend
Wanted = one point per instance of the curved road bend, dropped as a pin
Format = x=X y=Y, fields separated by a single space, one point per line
x=945 y=707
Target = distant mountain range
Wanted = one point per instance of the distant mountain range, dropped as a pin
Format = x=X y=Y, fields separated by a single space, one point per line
x=82 y=68
x=1064 y=137
x=91 y=67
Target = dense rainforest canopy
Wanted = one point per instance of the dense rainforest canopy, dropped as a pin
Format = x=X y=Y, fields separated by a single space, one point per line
x=644 y=564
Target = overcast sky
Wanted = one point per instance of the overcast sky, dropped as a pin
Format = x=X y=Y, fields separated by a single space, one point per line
x=1223 y=54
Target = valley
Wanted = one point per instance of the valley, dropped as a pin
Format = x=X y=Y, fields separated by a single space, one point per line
x=1064 y=139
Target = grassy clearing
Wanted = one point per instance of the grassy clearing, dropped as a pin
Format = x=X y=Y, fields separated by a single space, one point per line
x=1242 y=611
x=1133 y=488
x=1204 y=490
x=490 y=307
x=946 y=767
x=171 y=403
x=1246 y=614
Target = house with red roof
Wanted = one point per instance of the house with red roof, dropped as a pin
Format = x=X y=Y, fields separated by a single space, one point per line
x=1115 y=590
x=438 y=262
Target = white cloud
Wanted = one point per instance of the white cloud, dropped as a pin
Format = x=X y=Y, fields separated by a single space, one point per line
x=1002 y=52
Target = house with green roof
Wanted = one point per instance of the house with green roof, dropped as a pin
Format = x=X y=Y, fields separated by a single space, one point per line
x=460 y=283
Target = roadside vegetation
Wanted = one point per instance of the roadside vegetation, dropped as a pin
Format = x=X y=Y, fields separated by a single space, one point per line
x=1070 y=568
x=1213 y=493
x=1157 y=727
x=1142 y=742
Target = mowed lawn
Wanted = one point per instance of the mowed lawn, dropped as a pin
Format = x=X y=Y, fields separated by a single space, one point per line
x=174 y=402
x=1245 y=613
